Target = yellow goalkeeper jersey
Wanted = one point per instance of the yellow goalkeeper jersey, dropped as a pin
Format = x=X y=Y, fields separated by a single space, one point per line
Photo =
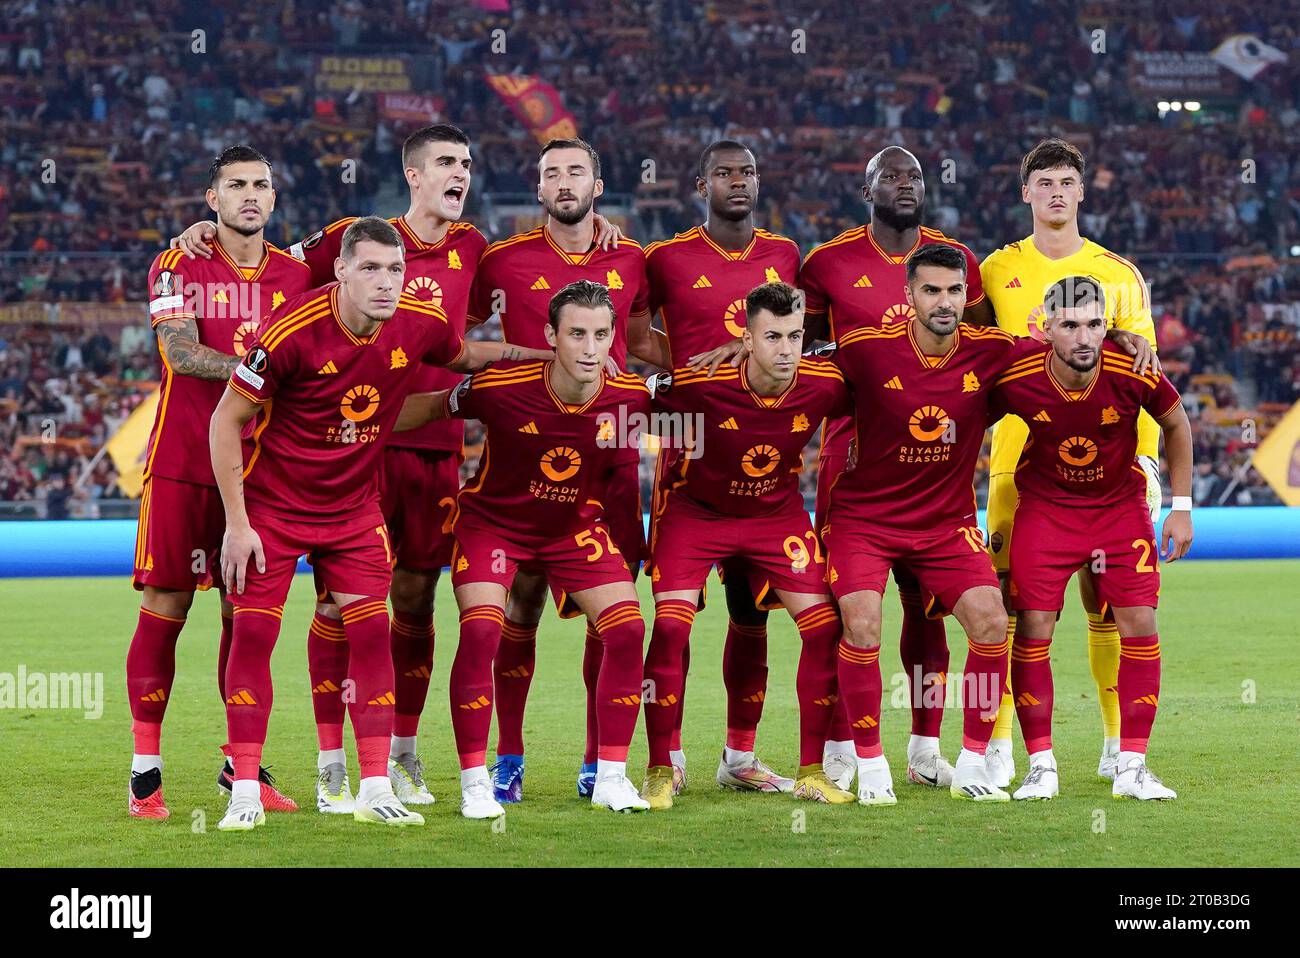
x=1015 y=279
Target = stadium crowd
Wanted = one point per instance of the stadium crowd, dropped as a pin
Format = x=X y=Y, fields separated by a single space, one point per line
x=110 y=115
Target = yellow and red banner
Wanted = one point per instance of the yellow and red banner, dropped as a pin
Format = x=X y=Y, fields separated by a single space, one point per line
x=1278 y=457
x=129 y=445
x=536 y=104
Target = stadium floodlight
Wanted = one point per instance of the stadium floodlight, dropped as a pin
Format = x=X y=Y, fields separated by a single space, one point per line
x=1192 y=106
x=1176 y=105
x=1163 y=106
x=1295 y=250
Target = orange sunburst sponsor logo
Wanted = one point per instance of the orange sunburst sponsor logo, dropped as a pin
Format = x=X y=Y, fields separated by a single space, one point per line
x=736 y=309
x=1034 y=323
x=1077 y=450
x=759 y=460
x=360 y=403
x=425 y=289
x=244 y=337
x=898 y=313
x=560 y=463
x=928 y=423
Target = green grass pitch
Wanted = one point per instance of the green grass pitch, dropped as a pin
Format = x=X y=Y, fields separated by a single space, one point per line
x=1225 y=739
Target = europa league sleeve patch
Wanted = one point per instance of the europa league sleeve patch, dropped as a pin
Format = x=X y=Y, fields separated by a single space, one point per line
x=164 y=284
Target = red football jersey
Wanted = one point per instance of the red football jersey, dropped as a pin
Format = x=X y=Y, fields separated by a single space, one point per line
x=227 y=303
x=751 y=446
x=699 y=288
x=518 y=276
x=920 y=423
x=440 y=273
x=1081 y=444
x=543 y=460
x=857 y=284
x=330 y=401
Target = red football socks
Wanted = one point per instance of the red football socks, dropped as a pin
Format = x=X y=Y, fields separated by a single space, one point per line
x=370 y=669
x=816 y=681
x=248 y=686
x=860 y=691
x=744 y=675
x=327 y=666
x=985 y=676
x=470 y=686
x=411 y=641
x=924 y=650
x=1139 y=690
x=151 y=667
x=593 y=652
x=512 y=675
x=618 y=687
x=663 y=670
x=223 y=651
x=1031 y=677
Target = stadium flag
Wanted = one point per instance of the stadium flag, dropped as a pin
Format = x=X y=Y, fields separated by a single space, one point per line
x=1246 y=55
x=130 y=443
x=1278 y=457
x=536 y=104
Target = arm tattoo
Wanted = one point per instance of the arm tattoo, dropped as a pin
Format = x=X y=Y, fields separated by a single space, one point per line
x=179 y=341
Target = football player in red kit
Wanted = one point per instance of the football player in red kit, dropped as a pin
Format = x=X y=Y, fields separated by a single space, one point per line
x=856 y=280
x=204 y=314
x=1082 y=503
x=555 y=430
x=327 y=380
x=734 y=493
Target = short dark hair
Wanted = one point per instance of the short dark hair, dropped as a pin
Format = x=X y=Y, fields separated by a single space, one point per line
x=1051 y=154
x=233 y=154
x=374 y=228
x=779 y=299
x=717 y=146
x=1074 y=292
x=437 y=133
x=936 y=254
x=584 y=293
x=574 y=143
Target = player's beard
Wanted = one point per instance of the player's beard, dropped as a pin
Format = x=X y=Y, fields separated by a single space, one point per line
x=1070 y=360
x=929 y=324
x=575 y=215
x=899 y=221
x=243 y=229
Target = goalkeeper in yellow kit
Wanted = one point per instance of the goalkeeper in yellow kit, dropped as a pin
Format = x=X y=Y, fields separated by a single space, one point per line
x=1015 y=278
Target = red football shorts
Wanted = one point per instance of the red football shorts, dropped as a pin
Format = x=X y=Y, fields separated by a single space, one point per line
x=621 y=503
x=778 y=552
x=572 y=563
x=418 y=489
x=946 y=563
x=178 y=538
x=828 y=470
x=350 y=556
x=1049 y=543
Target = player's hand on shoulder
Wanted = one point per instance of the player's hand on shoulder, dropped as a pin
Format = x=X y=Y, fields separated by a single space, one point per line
x=1176 y=537
x=195 y=239
x=607 y=234
x=732 y=352
x=238 y=545
x=1144 y=357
